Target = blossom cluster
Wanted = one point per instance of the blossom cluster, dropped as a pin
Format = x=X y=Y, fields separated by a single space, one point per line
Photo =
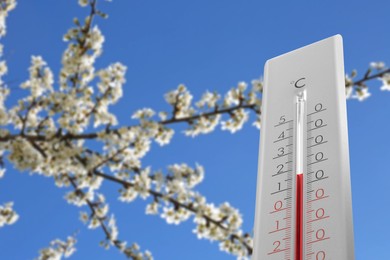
x=7 y=214
x=100 y=218
x=359 y=90
x=385 y=78
x=175 y=200
x=5 y=7
x=131 y=251
x=205 y=115
x=385 y=82
x=58 y=249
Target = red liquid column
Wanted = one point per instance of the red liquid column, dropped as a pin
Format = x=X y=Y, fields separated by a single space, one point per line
x=299 y=219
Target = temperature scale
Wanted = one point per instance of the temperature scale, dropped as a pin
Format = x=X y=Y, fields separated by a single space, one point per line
x=303 y=204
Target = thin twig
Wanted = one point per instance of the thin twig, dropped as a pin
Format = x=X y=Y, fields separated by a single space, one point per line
x=374 y=76
x=177 y=203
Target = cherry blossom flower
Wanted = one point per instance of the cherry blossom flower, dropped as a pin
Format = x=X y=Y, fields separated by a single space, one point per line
x=7 y=214
x=83 y=3
x=380 y=65
x=208 y=100
x=385 y=82
x=362 y=94
x=236 y=121
x=58 y=249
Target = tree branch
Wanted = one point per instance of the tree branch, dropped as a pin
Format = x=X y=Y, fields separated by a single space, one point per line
x=177 y=203
x=173 y=120
x=367 y=77
x=92 y=207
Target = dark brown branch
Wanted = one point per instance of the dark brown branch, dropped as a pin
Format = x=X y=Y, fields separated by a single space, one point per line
x=177 y=203
x=98 y=100
x=38 y=148
x=110 y=158
x=156 y=195
x=24 y=120
x=85 y=30
x=188 y=119
x=367 y=78
x=92 y=207
x=70 y=136
x=41 y=123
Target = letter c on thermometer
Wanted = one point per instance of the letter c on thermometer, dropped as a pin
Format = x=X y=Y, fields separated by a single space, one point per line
x=299 y=84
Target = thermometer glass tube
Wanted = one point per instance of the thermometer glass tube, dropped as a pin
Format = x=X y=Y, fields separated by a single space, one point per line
x=303 y=200
x=299 y=153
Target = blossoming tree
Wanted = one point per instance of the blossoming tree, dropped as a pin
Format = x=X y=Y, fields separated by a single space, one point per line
x=66 y=131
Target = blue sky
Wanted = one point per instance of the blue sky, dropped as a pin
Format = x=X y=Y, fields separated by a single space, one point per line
x=207 y=45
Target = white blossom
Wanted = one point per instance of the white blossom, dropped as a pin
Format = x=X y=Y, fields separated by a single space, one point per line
x=164 y=136
x=3 y=67
x=377 y=65
x=163 y=115
x=133 y=252
x=84 y=217
x=236 y=121
x=79 y=58
x=58 y=249
x=254 y=97
x=113 y=228
x=142 y=183
x=203 y=125
x=180 y=99
x=175 y=216
x=234 y=248
x=208 y=100
x=385 y=82
x=101 y=211
x=41 y=77
x=4 y=116
x=110 y=86
x=242 y=86
x=362 y=94
x=128 y=194
x=152 y=208
x=7 y=214
x=187 y=175
x=78 y=199
x=143 y=113
x=94 y=223
x=158 y=180
x=24 y=156
x=232 y=97
x=257 y=122
x=96 y=39
x=257 y=85
x=6 y=7
x=235 y=95
x=83 y=3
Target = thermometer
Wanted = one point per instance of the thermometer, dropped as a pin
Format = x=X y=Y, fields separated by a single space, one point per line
x=303 y=202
